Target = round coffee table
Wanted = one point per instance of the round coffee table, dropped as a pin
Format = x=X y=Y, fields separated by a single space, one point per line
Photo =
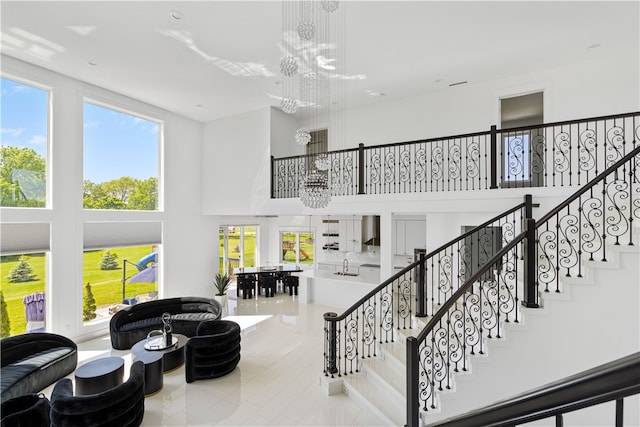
x=99 y=375
x=172 y=357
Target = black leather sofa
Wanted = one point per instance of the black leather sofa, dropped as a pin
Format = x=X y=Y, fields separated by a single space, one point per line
x=133 y=323
x=32 y=362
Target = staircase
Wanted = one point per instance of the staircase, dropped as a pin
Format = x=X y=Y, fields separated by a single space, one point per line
x=539 y=341
x=513 y=305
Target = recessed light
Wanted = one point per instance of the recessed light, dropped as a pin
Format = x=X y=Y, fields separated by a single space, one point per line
x=93 y=63
x=199 y=105
x=593 y=46
x=375 y=93
x=176 y=14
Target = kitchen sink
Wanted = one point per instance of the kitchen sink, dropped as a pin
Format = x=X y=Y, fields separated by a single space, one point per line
x=341 y=273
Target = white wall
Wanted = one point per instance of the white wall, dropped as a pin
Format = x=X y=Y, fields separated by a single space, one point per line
x=189 y=248
x=236 y=164
x=573 y=91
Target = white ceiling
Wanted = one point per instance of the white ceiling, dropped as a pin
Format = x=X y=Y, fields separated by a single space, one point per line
x=223 y=57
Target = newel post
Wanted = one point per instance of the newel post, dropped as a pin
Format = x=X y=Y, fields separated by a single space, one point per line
x=361 y=169
x=421 y=306
x=331 y=359
x=273 y=177
x=530 y=298
x=413 y=409
x=494 y=157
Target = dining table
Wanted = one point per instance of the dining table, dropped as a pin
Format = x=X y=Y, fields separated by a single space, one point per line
x=279 y=271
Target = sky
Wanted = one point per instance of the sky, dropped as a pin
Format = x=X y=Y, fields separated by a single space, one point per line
x=115 y=144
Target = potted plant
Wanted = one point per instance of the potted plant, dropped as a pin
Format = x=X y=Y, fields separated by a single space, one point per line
x=221 y=284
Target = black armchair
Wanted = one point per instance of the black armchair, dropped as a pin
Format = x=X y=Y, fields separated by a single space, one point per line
x=214 y=351
x=122 y=405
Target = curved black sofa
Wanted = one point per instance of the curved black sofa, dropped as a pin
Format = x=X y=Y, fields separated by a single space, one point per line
x=122 y=405
x=214 y=351
x=32 y=362
x=133 y=323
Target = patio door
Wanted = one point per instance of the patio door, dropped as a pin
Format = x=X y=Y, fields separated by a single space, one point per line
x=237 y=247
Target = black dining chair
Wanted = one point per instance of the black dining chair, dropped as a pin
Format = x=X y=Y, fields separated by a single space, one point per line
x=268 y=283
x=246 y=285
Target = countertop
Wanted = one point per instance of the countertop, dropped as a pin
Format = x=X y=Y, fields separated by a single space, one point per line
x=327 y=275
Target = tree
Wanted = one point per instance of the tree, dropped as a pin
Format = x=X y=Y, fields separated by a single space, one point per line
x=89 y=306
x=109 y=261
x=5 y=324
x=122 y=193
x=22 y=177
x=22 y=272
x=145 y=196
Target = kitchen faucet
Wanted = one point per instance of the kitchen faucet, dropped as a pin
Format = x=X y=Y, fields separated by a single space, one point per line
x=345 y=266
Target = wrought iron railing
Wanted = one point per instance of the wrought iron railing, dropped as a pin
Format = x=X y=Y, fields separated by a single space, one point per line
x=614 y=380
x=418 y=290
x=577 y=230
x=551 y=155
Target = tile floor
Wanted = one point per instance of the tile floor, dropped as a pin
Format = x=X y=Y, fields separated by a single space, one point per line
x=277 y=382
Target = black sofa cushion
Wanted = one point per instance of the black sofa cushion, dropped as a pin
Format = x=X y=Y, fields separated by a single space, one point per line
x=122 y=405
x=132 y=324
x=31 y=362
x=28 y=410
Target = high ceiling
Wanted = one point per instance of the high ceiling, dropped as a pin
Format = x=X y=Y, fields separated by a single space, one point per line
x=223 y=57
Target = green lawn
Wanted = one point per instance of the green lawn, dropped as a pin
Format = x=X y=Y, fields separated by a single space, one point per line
x=106 y=285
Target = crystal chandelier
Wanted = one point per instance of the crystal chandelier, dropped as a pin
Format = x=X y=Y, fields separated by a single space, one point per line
x=308 y=66
x=314 y=190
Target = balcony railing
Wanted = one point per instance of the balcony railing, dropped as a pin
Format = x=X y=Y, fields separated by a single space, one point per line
x=551 y=155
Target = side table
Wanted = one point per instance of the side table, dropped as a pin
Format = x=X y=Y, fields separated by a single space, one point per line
x=99 y=375
x=153 y=380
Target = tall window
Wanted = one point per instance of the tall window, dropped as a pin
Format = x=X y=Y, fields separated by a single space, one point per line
x=297 y=247
x=121 y=153
x=22 y=293
x=116 y=277
x=23 y=156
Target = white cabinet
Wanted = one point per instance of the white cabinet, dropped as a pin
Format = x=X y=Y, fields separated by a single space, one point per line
x=350 y=239
x=409 y=234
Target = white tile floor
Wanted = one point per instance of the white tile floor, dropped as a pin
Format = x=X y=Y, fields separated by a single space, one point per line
x=277 y=382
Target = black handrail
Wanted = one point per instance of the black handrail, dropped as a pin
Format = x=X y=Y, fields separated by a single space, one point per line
x=611 y=381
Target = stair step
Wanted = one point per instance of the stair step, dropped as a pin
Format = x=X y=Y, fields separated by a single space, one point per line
x=376 y=396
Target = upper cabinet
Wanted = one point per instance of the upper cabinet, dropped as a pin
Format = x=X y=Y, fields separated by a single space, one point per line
x=409 y=235
x=350 y=238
